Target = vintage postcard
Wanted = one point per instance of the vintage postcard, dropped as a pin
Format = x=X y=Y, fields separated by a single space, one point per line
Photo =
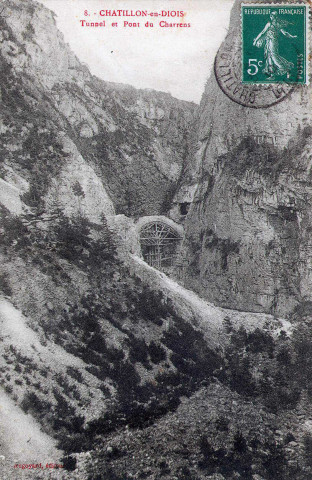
x=156 y=240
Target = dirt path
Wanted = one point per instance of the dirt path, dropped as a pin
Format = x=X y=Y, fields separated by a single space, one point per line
x=200 y=312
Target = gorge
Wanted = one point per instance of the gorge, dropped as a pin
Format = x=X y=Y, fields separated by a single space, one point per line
x=155 y=277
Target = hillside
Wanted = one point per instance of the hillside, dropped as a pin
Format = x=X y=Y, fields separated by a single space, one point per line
x=95 y=346
x=109 y=367
x=101 y=143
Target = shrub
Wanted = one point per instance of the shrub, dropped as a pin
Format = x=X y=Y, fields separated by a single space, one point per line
x=127 y=380
x=228 y=327
x=14 y=231
x=75 y=442
x=69 y=463
x=103 y=425
x=260 y=341
x=284 y=356
x=156 y=352
x=5 y=286
x=239 y=442
x=63 y=382
x=290 y=438
x=151 y=306
x=8 y=388
x=205 y=447
x=138 y=351
x=65 y=416
x=72 y=236
x=239 y=338
x=35 y=405
x=75 y=373
x=78 y=190
x=45 y=157
x=29 y=32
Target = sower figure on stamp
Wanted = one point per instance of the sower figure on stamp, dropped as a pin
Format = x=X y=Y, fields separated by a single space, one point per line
x=275 y=64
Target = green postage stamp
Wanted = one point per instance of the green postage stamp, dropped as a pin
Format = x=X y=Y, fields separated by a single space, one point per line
x=274 y=43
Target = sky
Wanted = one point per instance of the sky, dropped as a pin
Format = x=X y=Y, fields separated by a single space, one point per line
x=175 y=60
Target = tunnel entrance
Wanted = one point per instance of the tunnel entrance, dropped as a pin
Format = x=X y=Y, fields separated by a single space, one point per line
x=159 y=244
x=184 y=208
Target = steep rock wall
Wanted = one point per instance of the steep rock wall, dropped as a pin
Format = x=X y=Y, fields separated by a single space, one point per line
x=134 y=141
x=249 y=229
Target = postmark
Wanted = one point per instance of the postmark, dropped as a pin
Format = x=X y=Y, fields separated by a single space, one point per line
x=274 y=43
x=229 y=66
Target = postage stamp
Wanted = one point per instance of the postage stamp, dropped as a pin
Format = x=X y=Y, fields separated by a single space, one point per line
x=228 y=74
x=265 y=56
x=274 y=43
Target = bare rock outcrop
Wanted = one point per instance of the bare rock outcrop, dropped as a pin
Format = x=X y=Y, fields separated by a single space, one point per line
x=134 y=141
x=249 y=227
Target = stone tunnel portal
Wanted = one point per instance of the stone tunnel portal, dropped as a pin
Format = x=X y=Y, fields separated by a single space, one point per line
x=159 y=244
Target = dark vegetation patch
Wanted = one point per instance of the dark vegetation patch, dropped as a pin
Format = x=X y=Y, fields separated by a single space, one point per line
x=190 y=356
x=69 y=462
x=138 y=350
x=140 y=405
x=275 y=371
x=5 y=285
x=156 y=352
x=61 y=237
x=35 y=405
x=243 y=457
x=44 y=160
x=266 y=159
x=75 y=373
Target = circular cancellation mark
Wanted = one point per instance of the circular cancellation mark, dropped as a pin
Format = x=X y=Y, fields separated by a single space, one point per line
x=227 y=68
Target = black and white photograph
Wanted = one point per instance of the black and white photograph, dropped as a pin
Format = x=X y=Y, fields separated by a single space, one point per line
x=156 y=240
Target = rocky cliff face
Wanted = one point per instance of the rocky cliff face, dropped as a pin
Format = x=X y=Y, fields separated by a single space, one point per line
x=249 y=228
x=128 y=374
x=95 y=144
